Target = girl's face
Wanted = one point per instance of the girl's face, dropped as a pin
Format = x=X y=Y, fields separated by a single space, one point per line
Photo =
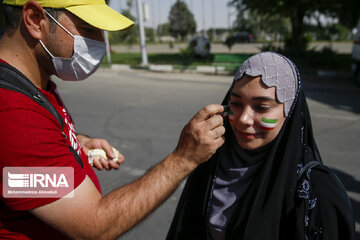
x=256 y=117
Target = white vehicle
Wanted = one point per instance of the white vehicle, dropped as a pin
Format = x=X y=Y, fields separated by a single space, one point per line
x=356 y=54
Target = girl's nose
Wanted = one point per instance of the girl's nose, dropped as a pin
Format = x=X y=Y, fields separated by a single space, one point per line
x=246 y=117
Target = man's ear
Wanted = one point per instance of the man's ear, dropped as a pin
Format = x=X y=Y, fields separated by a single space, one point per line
x=34 y=19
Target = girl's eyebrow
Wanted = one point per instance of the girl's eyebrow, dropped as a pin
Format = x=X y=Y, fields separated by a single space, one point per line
x=263 y=98
x=235 y=95
x=260 y=98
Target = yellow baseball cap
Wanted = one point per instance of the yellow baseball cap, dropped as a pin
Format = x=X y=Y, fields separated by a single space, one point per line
x=94 y=12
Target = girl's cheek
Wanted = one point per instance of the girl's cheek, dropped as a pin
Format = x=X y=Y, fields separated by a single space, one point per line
x=268 y=124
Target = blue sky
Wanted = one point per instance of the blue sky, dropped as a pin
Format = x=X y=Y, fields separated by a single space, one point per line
x=207 y=13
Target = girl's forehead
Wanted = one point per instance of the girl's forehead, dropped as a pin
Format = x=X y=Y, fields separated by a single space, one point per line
x=249 y=86
x=275 y=71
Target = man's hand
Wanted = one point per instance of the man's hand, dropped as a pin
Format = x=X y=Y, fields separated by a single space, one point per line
x=88 y=143
x=202 y=136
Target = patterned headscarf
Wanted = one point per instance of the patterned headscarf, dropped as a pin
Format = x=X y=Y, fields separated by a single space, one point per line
x=276 y=71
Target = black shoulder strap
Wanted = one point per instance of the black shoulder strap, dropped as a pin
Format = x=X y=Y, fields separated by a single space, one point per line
x=308 y=166
x=12 y=79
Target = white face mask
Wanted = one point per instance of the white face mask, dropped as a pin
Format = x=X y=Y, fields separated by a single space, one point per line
x=87 y=57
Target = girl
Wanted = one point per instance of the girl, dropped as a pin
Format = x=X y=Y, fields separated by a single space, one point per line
x=268 y=180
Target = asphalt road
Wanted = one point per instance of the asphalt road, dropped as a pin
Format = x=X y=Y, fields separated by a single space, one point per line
x=142 y=113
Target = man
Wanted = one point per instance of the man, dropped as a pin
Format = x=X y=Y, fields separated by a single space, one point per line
x=65 y=39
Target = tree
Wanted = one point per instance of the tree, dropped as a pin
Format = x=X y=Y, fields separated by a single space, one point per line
x=297 y=10
x=129 y=36
x=149 y=33
x=262 y=25
x=163 y=29
x=181 y=20
x=348 y=12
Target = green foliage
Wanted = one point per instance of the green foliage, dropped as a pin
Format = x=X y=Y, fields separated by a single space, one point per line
x=347 y=11
x=261 y=25
x=181 y=20
x=149 y=33
x=173 y=59
x=301 y=46
x=326 y=59
x=187 y=53
x=333 y=32
x=297 y=10
x=210 y=33
x=129 y=36
x=163 y=29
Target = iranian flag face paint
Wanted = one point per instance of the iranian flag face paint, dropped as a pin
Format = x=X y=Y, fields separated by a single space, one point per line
x=225 y=114
x=231 y=116
x=228 y=113
x=268 y=124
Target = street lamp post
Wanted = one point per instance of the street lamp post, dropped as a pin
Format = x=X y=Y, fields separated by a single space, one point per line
x=108 y=53
x=144 y=57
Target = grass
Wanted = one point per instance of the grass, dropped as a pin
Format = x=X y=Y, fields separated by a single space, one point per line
x=310 y=60
x=171 y=59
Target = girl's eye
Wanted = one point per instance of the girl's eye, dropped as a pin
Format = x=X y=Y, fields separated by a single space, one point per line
x=262 y=108
x=235 y=103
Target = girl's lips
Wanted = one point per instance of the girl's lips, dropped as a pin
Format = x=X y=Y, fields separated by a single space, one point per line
x=248 y=136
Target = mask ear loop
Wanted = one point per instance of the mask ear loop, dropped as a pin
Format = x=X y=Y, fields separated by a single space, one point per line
x=59 y=24
x=42 y=44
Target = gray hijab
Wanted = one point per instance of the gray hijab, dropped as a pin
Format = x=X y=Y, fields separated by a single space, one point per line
x=275 y=71
x=237 y=166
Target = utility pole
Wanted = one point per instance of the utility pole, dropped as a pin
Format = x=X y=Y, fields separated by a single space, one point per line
x=213 y=20
x=228 y=20
x=153 y=19
x=106 y=37
x=203 y=18
x=144 y=58
x=108 y=54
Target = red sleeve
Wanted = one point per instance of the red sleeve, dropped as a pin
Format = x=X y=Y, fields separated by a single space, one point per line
x=31 y=136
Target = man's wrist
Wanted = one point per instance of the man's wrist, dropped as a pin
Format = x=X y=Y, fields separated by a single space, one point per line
x=182 y=162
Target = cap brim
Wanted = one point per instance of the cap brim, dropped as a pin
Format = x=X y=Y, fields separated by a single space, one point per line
x=101 y=16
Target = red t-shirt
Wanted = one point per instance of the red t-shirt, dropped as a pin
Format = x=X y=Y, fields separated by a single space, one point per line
x=31 y=136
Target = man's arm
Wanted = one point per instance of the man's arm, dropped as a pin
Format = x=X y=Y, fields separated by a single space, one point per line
x=88 y=215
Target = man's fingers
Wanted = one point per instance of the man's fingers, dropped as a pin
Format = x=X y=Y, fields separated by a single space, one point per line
x=214 y=122
x=220 y=141
x=105 y=163
x=108 y=149
x=114 y=165
x=218 y=132
x=121 y=158
x=97 y=164
x=208 y=111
